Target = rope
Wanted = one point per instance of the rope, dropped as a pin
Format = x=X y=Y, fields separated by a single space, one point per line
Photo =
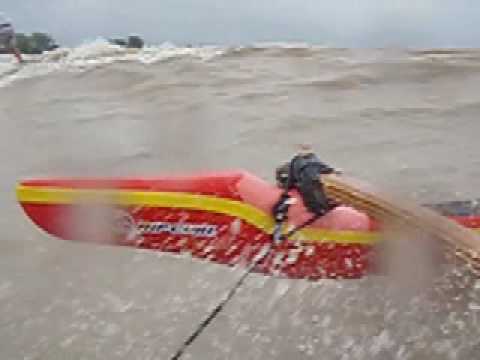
x=276 y=239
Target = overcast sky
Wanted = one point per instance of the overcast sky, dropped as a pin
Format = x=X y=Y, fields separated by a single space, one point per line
x=351 y=23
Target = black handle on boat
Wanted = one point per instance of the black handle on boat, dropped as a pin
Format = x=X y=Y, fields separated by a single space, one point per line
x=280 y=213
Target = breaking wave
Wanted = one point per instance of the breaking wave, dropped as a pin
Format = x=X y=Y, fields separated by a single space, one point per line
x=101 y=53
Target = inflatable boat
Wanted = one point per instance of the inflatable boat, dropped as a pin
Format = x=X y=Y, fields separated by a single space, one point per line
x=223 y=217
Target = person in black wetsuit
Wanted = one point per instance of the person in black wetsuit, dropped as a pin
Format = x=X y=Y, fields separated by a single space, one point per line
x=303 y=173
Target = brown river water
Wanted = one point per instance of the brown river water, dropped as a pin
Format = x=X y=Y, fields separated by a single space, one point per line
x=402 y=119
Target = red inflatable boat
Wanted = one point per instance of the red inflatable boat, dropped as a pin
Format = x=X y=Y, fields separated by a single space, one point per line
x=223 y=217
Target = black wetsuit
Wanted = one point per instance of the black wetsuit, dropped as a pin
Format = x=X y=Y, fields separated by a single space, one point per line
x=304 y=175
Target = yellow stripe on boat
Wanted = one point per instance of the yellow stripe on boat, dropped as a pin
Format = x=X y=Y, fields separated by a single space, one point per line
x=179 y=200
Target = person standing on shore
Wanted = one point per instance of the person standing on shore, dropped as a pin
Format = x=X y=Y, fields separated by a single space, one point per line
x=7 y=37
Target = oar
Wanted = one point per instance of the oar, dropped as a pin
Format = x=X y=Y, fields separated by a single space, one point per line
x=464 y=243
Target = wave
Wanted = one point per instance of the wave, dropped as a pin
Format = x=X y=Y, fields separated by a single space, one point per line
x=97 y=54
x=100 y=53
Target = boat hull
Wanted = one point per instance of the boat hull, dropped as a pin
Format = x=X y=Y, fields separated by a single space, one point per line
x=220 y=217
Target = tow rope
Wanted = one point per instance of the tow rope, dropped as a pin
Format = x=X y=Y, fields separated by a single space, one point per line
x=277 y=238
x=280 y=213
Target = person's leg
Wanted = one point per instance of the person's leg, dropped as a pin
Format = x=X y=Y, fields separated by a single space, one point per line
x=17 y=54
x=13 y=48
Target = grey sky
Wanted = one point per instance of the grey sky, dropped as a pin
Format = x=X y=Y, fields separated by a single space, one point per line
x=356 y=23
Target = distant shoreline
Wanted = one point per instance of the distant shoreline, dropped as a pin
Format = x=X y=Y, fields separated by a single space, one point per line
x=136 y=42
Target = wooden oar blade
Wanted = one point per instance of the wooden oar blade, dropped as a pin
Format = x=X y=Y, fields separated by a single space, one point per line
x=388 y=209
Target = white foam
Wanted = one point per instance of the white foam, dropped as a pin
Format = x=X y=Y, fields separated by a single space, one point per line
x=98 y=53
